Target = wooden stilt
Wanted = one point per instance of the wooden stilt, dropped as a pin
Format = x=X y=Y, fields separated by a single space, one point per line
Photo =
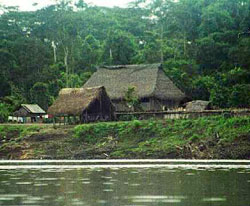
x=54 y=122
x=86 y=120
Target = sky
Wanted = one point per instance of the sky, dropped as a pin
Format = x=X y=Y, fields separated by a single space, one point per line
x=26 y=5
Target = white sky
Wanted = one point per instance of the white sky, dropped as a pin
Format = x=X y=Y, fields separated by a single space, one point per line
x=26 y=5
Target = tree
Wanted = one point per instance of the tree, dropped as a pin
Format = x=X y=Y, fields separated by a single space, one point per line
x=196 y=40
x=132 y=99
x=40 y=95
x=119 y=48
x=91 y=52
x=239 y=96
x=4 y=112
x=81 y=4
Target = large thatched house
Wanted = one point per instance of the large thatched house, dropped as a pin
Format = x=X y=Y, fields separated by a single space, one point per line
x=90 y=104
x=153 y=88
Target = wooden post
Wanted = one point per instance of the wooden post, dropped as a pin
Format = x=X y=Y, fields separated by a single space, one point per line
x=74 y=120
x=54 y=122
x=86 y=116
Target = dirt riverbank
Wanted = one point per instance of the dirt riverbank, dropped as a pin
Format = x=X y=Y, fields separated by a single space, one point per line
x=204 y=138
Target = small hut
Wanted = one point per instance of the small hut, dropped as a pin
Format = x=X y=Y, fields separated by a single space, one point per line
x=197 y=106
x=155 y=91
x=89 y=104
x=29 y=113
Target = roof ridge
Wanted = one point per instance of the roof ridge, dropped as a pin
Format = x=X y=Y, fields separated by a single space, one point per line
x=128 y=66
x=25 y=107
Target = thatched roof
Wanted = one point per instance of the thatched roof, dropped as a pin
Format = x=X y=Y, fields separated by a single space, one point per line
x=148 y=80
x=73 y=101
x=197 y=106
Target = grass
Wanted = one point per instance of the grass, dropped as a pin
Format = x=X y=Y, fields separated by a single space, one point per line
x=144 y=138
x=12 y=136
x=17 y=131
x=206 y=137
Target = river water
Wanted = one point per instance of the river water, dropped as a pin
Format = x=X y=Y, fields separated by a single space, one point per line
x=125 y=183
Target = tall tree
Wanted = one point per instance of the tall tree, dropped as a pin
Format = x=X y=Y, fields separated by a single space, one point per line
x=120 y=48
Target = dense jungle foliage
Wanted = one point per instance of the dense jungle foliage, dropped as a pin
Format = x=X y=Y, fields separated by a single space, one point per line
x=203 y=44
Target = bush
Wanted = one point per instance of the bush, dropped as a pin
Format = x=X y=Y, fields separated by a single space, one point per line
x=4 y=112
x=240 y=96
x=93 y=132
x=144 y=138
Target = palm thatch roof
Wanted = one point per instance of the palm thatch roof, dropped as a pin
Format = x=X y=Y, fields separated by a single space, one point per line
x=197 y=106
x=73 y=101
x=149 y=80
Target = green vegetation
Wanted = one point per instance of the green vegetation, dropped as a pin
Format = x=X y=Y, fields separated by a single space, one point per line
x=147 y=138
x=60 y=46
x=207 y=137
x=12 y=137
x=4 y=112
x=132 y=100
x=20 y=131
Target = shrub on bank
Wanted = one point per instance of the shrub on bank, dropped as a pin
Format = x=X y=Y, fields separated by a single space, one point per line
x=15 y=132
x=152 y=136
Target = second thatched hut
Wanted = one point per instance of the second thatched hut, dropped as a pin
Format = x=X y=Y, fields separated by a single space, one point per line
x=197 y=106
x=89 y=104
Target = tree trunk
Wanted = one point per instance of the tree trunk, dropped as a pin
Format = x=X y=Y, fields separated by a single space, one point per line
x=110 y=56
x=185 y=46
x=66 y=54
x=54 y=50
x=162 y=57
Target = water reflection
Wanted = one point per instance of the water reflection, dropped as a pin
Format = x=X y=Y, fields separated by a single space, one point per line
x=125 y=186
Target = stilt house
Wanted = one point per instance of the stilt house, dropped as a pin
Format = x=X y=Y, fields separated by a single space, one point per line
x=155 y=91
x=89 y=104
x=30 y=113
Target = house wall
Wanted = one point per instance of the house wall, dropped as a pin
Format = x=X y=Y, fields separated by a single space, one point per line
x=162 y=105
x=170 y=104
x=26 y=117
x=121 y=106
x=146 y=106
x=99 y=110
x=21 y=113
x=155 y=105
x=150 y=104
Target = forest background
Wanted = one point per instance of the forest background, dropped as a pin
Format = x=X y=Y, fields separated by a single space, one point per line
x=61 y=45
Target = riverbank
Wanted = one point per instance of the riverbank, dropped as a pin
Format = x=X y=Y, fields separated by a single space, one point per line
x=203 y=138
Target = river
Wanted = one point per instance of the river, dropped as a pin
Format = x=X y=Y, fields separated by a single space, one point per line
x=125 y=183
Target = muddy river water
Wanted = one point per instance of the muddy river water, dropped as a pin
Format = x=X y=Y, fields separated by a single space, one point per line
x=125 y=183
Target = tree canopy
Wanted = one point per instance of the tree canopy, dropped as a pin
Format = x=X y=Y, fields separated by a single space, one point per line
x=203 y=44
